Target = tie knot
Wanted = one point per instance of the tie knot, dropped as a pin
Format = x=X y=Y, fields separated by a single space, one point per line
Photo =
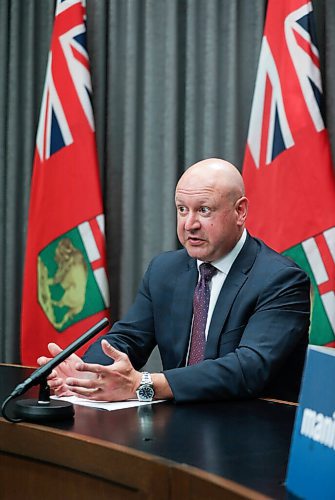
x=207 y=271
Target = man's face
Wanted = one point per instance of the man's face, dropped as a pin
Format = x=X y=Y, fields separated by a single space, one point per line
x=209 y=223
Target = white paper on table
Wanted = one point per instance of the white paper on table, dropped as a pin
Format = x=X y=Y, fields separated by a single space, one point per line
x=106 y=405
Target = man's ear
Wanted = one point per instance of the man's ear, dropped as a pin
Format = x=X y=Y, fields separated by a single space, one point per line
x=241 y=208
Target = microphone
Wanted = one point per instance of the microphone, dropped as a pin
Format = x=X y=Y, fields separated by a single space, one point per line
x=44 y=408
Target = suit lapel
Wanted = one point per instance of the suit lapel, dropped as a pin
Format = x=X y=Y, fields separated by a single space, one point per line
x=237 y=276
x=182 y=310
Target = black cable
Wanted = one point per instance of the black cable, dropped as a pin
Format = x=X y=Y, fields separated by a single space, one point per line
x=4 y=414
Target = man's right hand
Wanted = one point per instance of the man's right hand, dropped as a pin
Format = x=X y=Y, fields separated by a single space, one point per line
x=67 y=368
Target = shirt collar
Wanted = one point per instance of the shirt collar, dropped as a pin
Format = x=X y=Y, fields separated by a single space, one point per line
x=224 y=263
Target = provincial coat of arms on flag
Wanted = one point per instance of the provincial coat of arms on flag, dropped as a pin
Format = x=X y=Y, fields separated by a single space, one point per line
x=288 y=169
x=65 y=289
x=71 y=277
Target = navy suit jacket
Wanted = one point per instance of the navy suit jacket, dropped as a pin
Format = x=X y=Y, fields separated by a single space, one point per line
x=257 y=337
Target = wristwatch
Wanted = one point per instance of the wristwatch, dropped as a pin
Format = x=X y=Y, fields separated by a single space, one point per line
x=145 y=391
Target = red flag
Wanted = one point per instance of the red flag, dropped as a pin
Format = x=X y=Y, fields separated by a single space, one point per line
x=287 y=167
x=65 y=287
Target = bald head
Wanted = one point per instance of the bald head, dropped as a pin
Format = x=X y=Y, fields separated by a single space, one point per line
x=211 y=208
x=216 y=173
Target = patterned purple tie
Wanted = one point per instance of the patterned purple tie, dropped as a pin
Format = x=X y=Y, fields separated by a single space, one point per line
x=200 y=311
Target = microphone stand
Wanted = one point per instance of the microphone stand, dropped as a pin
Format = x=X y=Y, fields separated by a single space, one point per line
x=41 y=409
x=45 y=408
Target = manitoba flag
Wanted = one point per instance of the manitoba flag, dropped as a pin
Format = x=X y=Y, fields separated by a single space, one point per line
x=287 y=167
x=65 y=288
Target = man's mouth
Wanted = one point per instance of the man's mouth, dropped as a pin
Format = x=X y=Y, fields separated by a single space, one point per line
x=193 y=240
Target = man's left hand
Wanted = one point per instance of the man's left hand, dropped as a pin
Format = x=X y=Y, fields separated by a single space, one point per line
x=116 y=382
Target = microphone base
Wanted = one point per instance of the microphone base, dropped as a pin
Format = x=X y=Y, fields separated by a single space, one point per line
x=33 y=411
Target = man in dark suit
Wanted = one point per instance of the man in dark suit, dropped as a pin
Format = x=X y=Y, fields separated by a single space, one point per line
x=257 y=314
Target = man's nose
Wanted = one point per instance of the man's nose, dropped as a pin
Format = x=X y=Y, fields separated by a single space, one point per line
x=192 y=221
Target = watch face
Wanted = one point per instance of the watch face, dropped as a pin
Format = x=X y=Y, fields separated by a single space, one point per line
x=145 y=393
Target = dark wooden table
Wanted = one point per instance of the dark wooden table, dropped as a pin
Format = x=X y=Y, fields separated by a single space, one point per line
x=246 y=442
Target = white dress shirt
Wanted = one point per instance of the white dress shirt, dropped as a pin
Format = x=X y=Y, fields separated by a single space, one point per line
x=223 y=266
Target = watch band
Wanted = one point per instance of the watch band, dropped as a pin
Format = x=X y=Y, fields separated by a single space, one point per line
x=146 y=378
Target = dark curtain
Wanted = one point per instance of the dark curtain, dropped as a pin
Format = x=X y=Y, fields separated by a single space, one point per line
x=173 y=82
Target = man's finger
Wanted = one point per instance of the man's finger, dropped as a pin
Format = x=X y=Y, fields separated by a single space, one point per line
x=110 y=351
x=62 y=392
x=80 y=383
x=42 y=360
x=54 y=349
x=90 y=368
x=55 y=382
x=83 y=392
